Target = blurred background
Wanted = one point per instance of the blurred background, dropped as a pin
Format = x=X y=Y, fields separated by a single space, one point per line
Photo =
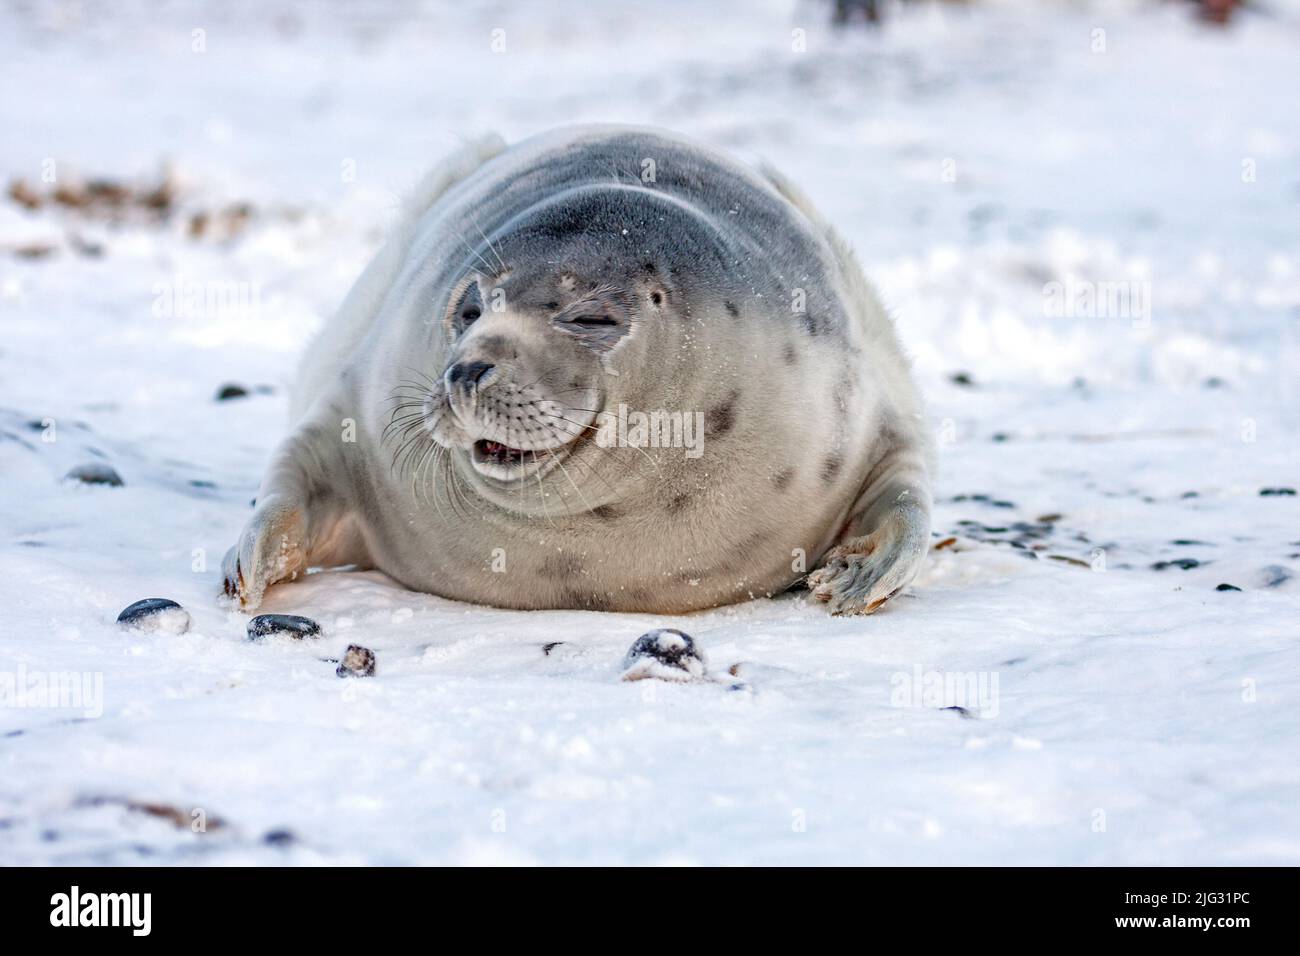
x=972 y=152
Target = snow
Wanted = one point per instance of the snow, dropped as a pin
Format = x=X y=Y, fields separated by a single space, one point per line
x=1110 y=712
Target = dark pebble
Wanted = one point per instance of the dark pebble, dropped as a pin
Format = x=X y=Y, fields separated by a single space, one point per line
x=155 y=614
x=1275 y=492
x=226 y=392
x=269 y=625
x=95 y=473
x=1227 y=587
x=280 y=838
x=962 y=378
x=357 y=661
x=1185 y=563
x=1273 y=575
x=665 y=653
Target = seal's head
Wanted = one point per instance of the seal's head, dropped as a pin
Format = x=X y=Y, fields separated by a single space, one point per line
x=524 y=376
x=550 y=324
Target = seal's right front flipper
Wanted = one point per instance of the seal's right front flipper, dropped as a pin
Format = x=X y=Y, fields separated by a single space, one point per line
x=301 y=520
x=273 y=547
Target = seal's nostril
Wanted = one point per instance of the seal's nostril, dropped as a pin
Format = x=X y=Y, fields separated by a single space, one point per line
x=468 y=372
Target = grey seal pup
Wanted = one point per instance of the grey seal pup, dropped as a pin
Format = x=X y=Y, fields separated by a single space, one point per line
x=605 y=368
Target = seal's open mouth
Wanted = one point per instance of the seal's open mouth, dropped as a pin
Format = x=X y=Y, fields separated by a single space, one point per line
x=494 y=453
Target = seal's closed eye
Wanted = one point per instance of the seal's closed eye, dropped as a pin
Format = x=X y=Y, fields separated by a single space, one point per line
x=598 y=321
x=595 y=320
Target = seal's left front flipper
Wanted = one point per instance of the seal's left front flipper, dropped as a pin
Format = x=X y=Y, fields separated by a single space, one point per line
x=884 y=544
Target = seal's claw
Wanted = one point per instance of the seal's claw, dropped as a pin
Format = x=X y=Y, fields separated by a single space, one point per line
x=270 y=549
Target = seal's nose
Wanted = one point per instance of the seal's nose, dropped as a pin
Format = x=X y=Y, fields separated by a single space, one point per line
x=468 y=374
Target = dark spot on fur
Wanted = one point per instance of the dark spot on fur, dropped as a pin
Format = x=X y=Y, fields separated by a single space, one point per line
x=732 y=310
x=678 y=503
x=649 y=268
x=791 y=355
x=657 y=297
x=783 y=478
x=831 y=467
x=721 y=418
x=560 y=567
x=809 y=324
x=606 y=512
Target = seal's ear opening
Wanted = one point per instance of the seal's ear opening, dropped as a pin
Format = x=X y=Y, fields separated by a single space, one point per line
x=599 y=320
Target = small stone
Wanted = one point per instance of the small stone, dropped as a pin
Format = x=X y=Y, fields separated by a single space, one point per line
x=357 y=661
x=664 y=654
x=1227 y=587
x=155 y=615
x=271 y=625
x=1186 y=564
x=1273 y=575
x=1276 y=492
x=230 y=390
x=279 y=838
x=95 y=473
x=964 y=379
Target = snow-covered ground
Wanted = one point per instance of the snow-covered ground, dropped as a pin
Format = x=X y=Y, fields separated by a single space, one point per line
x=1124 y=709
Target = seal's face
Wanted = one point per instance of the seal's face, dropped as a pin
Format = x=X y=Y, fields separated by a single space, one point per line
x=523 y=381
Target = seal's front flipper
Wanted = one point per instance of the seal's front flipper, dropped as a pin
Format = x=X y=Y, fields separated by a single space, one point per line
x=887 y=536
x=864 y=572
x=273 y=547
